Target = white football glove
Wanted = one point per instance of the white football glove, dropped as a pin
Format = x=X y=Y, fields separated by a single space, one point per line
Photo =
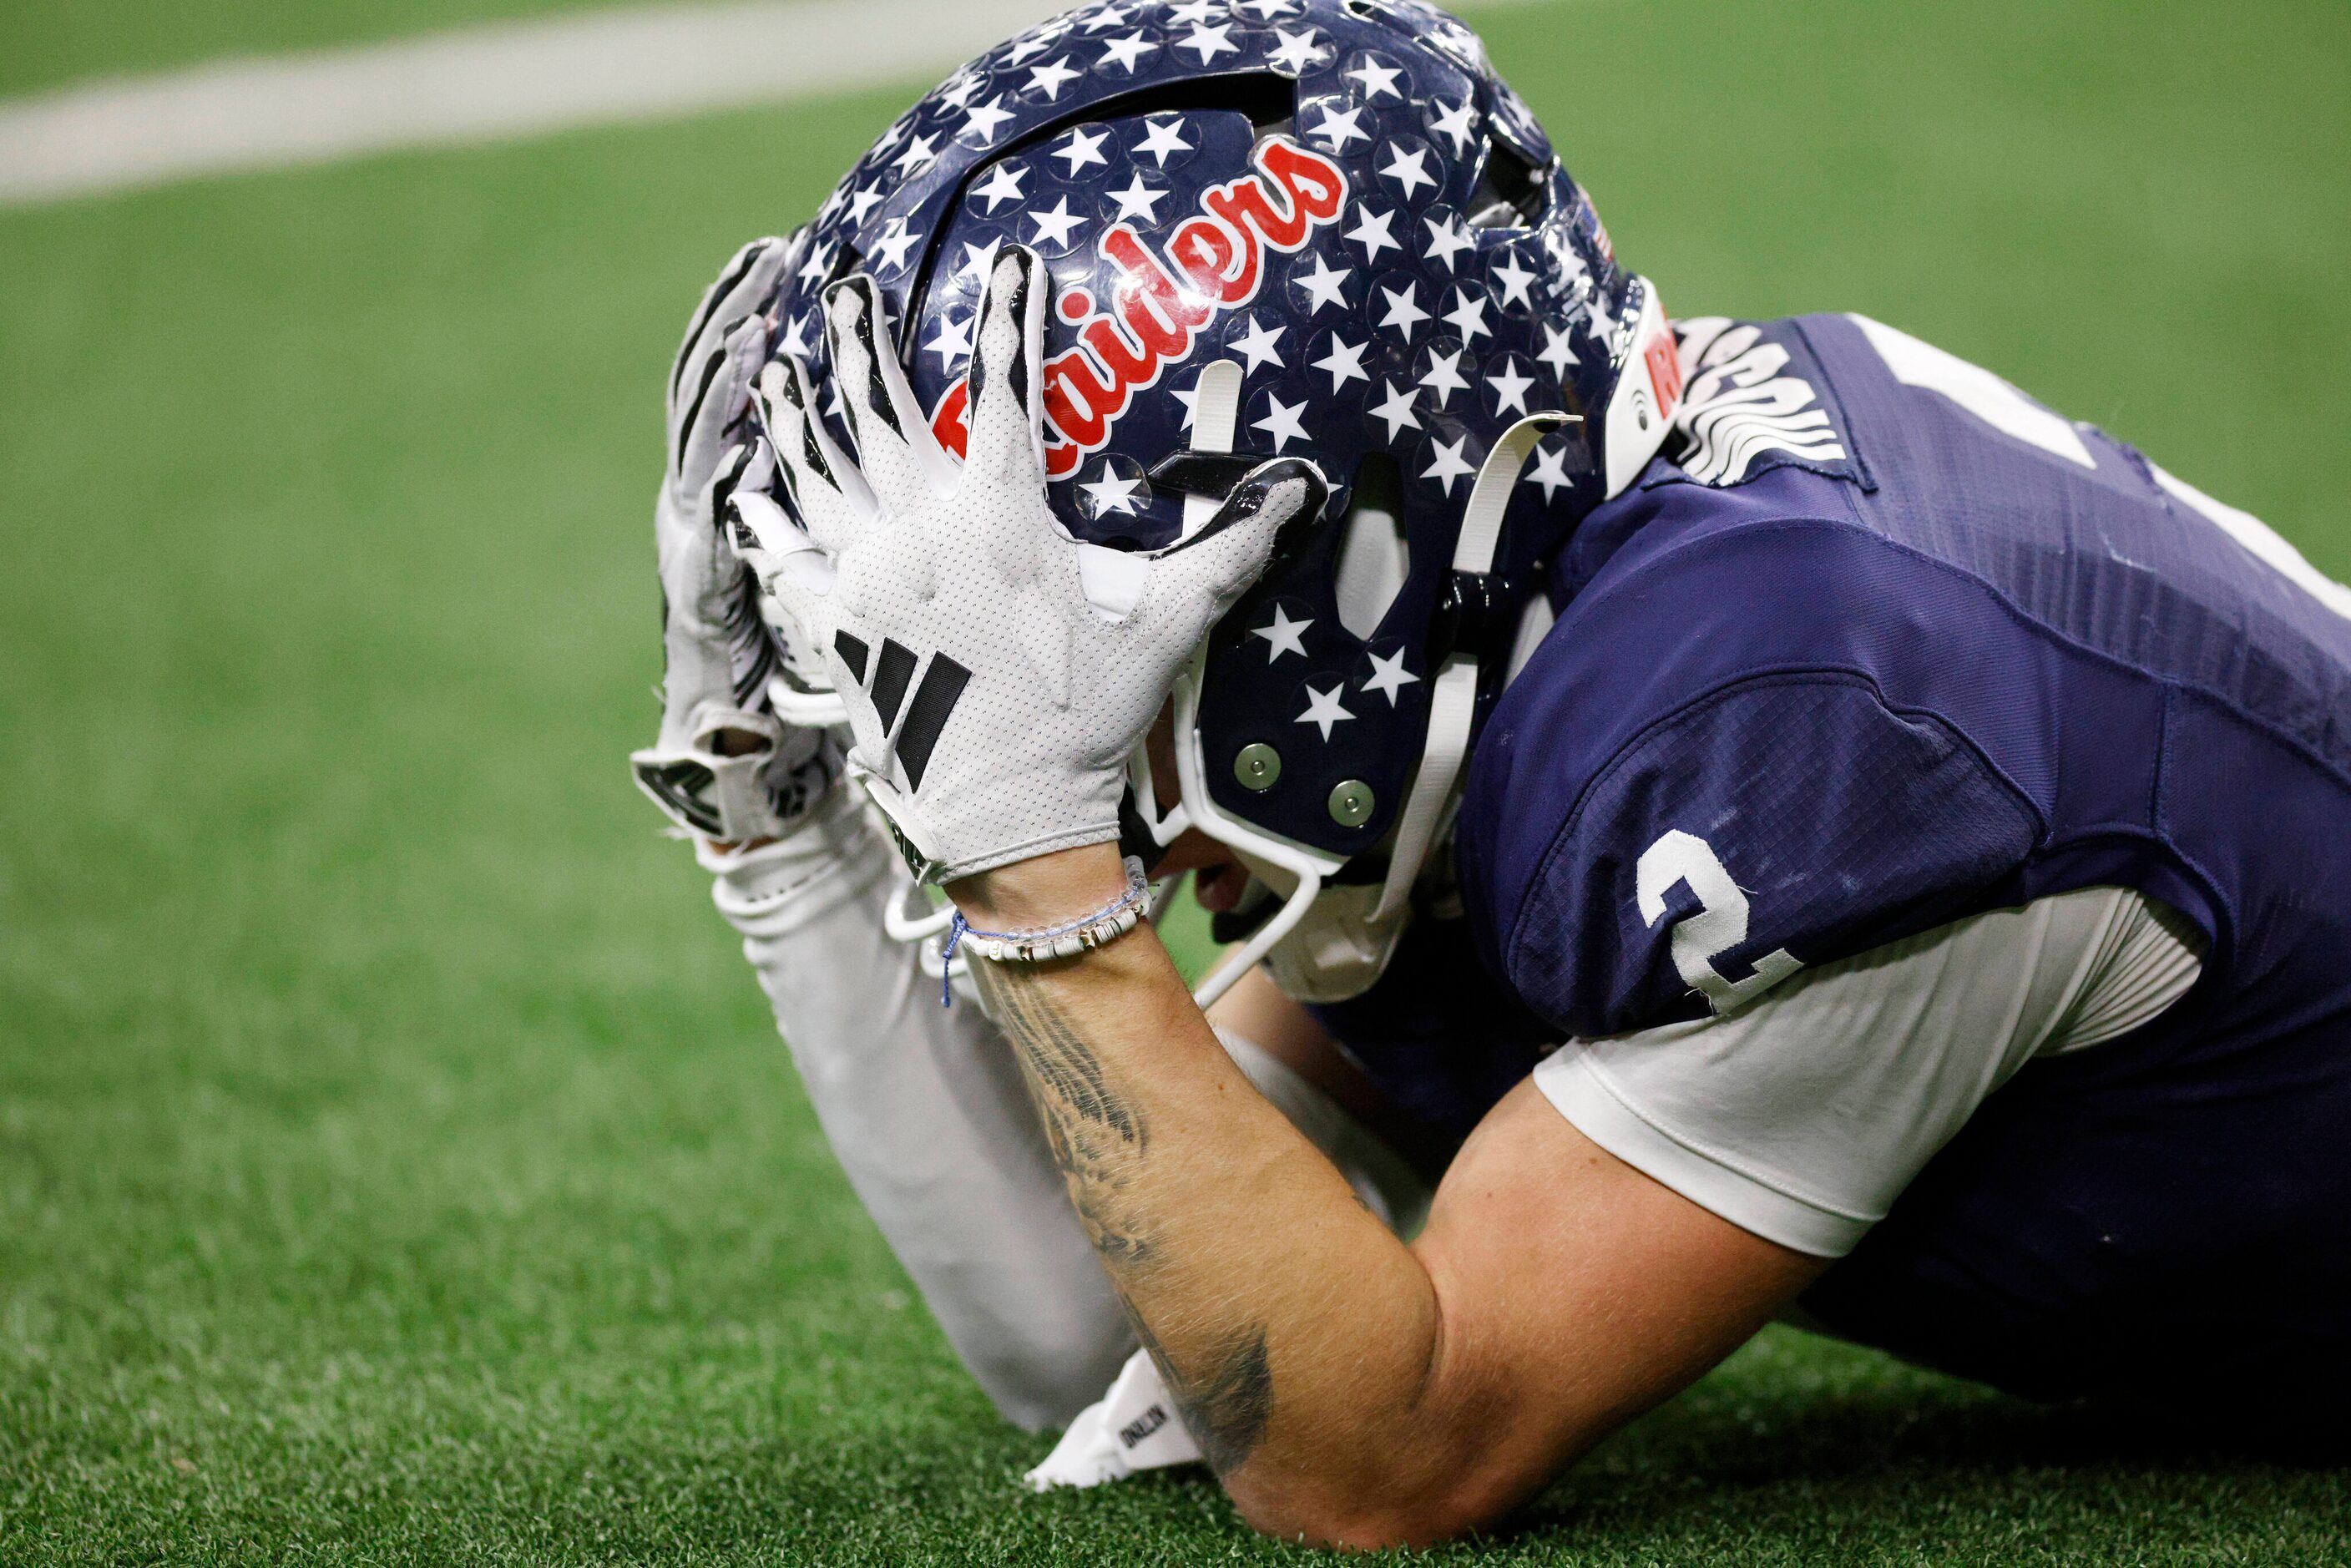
x=997 y=673
x=723 y=767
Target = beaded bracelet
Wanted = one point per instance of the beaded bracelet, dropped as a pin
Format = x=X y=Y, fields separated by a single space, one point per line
x=1103 y=926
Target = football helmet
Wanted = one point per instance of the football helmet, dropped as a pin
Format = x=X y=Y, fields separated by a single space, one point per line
x=1317 y=228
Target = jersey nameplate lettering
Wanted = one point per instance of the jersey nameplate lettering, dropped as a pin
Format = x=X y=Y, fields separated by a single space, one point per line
x=1743 y=406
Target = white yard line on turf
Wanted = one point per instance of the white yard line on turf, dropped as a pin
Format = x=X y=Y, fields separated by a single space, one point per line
x=486 y=84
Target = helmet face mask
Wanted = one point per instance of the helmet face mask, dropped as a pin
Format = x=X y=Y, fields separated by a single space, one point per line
x=1338 y=200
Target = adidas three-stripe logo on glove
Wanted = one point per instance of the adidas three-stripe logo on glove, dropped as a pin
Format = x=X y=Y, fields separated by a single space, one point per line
x=994 y=703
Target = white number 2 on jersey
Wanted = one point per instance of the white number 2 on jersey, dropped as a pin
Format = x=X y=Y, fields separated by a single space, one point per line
x=1718 y=926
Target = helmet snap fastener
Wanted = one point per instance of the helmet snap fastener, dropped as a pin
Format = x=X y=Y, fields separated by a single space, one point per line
x=1352 y=803
x=1258 y=768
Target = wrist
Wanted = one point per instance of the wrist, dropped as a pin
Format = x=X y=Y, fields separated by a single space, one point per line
x=1042 y=891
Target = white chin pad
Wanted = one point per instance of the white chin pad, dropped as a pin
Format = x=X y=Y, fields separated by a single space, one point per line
x=1340 y=949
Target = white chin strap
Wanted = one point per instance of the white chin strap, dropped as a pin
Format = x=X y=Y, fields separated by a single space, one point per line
x=1641 y=411
x=1452 y=697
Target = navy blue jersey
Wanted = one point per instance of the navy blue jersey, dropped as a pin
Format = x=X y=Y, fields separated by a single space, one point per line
x=1883 y=644
x=1891 y=645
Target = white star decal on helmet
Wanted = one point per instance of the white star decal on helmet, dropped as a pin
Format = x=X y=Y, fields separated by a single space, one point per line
x=1448 y=465
x=1515 y=279
x=1162 y=140
x=1325 y=286
x=1409 y=169
x=1378 y=80
x=1112 y=494
x=1339 y=127
x=1510 y=388
x=1051 y=77
x=1375 y=232
x=1285 y=424
x=977 y=259
x=1404 y=309
x=1298 y=51
x=1024 y=49
x=1057 y=227
x=1550 y=472
x=1083 y=149
x=1284 y=636
x=1138 y=203
x=1447 y=239
x=1459 y=125
x=1323 y=709
x=1127 y=53
x=1397 y=410
x=1344 y=362
x=1468 y=316
x=1389 y=676
x=919 y=154
x=895 y=242
x=1210 y=42
x=952 y=342
x=986 y=120
x=1595 y=311
x=1444 y=376
x=1002 y=185
x=1558 y=351
x=1258 y=343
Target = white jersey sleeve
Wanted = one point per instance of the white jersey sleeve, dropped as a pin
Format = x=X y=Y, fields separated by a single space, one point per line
x=926 y=1111
x=1801 y=1117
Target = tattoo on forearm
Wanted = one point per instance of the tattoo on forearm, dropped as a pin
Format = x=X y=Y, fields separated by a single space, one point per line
x=1064 y=1064
x=1098 y=1138
x=1225 y=1409
x=1094 y=1133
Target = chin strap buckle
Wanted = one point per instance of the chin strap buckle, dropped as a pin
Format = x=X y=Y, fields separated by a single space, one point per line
x=1476 y=617
x=1209 y=475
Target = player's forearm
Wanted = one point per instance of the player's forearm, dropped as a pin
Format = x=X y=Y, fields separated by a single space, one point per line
x=1301 y=1339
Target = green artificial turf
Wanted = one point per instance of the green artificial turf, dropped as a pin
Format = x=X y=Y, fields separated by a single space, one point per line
x=396 y=1163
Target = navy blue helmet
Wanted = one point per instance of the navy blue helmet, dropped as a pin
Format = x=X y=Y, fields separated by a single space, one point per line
x=1317 y=228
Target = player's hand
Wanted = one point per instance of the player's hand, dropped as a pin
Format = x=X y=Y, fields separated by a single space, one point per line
x=997 y=672
x=723 y=767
